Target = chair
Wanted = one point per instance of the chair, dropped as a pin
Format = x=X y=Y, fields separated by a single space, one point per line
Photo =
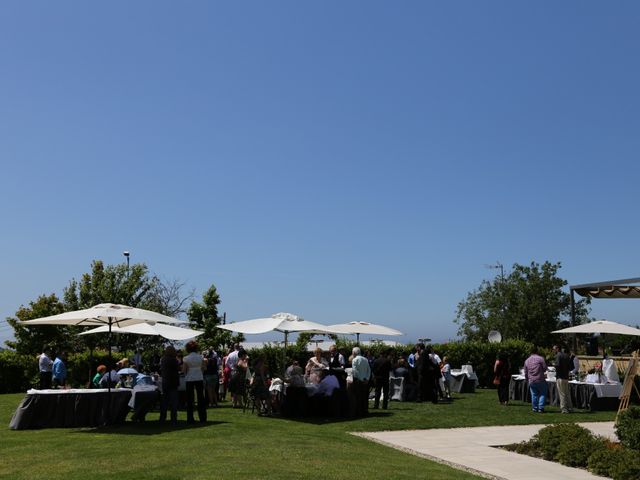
x=396 y=388
x=257 y=400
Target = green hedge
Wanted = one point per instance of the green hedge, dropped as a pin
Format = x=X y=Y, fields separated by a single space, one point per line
x=18 y=373
x=628 y=428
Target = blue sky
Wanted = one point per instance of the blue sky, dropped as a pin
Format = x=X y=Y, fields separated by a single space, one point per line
x=338 y=160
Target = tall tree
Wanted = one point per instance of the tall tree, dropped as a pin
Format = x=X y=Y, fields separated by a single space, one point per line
x=30 y=340
x=133 y=286
x=527 y=303
x=204 y=316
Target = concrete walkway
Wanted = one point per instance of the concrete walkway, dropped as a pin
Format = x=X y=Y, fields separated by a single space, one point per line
x=471 y=449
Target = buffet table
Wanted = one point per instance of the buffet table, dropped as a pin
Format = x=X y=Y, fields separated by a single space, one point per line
x=463 y=381
x=76 y=408
x=588 y=396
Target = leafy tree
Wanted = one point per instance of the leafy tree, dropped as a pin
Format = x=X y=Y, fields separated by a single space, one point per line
x=526 y=304
x=30 y=340
x=204 y=316
x=133 y=286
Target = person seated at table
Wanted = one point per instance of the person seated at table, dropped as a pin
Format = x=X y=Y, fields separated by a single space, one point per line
x=142 y=379
x=316 y=362
x=294 y=375
x=110 y=378
x=328 y=383
x=401 y=370
x=95 y=383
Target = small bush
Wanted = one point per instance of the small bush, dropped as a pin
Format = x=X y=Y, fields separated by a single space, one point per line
x=576 y=452
x=627 y=467
x=628 y=428
x=553 y=437
x=602 y=461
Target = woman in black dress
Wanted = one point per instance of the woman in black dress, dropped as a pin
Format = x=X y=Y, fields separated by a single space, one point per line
x=238 y=382
x=502 y=377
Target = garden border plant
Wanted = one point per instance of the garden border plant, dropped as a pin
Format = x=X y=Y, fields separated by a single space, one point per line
x=575 y=446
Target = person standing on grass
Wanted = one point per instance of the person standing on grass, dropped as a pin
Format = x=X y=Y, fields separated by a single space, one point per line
x=192 y=367
x=170 y=374
x=211 y=379
x=445 y=370
x=361 y=373
x=59 y=370
x=564 y=365
x=502 y=373
x=534 y=368
x=45 y=365
x=381 y=370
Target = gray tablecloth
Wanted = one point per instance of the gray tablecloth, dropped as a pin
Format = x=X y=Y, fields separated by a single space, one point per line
x=461 y=383
x=583 y=395
x=71 y=409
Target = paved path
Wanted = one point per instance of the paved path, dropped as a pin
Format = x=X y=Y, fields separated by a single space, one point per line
x=471 y=449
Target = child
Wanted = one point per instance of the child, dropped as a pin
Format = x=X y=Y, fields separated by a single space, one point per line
x=446 y=376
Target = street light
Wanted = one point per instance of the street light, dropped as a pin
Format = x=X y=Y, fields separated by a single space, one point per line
x=496 y=266
x=126 y=254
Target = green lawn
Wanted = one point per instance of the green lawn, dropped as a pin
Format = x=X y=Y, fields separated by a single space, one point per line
x=237 y=445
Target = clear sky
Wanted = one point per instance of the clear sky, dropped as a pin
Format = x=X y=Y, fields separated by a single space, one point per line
x=339 y=160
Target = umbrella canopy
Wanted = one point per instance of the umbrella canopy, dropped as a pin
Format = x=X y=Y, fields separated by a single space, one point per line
x=356 y=328
x=601 y=326
x=169 y=332
x=279 y=322
x=127 y=371
x=109 y=314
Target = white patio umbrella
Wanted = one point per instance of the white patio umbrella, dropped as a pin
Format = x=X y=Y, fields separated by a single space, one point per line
x=356 y=328
x=601 y=326
x=279 y=322
x=105 y=314
x=169 y=332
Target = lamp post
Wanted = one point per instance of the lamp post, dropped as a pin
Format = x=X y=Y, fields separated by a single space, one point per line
x=499 y=265
x=126 y=254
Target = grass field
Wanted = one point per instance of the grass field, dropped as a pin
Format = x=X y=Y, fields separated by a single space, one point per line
x=237 y=445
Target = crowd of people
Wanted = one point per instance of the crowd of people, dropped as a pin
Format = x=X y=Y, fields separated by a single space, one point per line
x=197 y=380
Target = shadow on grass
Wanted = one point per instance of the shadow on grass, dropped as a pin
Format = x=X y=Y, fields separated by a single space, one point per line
x=148 y=428
x=320 y=420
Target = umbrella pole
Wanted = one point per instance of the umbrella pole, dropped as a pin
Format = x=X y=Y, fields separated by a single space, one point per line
x=110 y=361
x=107 y=419
x=284 y=354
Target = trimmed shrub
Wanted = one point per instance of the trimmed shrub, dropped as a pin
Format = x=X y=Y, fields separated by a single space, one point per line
x=575 y=452
x=18 y=372
x=553 y=437
x=602 y=461
x=627 y=467
x=628 y=428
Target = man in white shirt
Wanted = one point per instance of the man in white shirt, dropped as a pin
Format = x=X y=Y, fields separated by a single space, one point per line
x=45 y=365
x=232 y=358
x=359 y=388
